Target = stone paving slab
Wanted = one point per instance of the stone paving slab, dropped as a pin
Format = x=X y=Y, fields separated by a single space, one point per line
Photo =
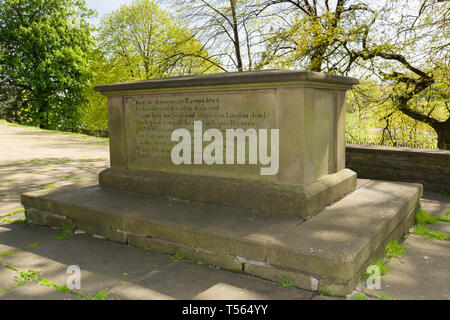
x=188 y=281
x=127 y=272
x=332 y=246
x=102 y=263
x=437 y=204
x=423 y=272
x=35 y=291
x=6 y=279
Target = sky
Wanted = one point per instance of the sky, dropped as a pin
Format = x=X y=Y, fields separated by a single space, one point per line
x=104 y=6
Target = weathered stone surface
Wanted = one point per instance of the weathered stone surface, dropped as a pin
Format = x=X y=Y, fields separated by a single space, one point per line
x=183 y=280
x=221 y=260
x=423 y=272
x=35 y=291
x=44 y=218
x=250 y=195
x=103 y=264
x=102 y=231
x=334 y=246
x=431 y=168
x=305 y=107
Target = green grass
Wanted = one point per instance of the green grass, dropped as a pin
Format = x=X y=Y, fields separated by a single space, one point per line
x=17 y=212
x=64 y=232
x=26 y=276
x=31 y=246
x=445 y=192
x=383 y=297
x=48 y=186
x=359 y=296
x=423 y=217
x=5 y=254
x=430 y=234
x=48 y=283
x=62 y=236
x=383 y=265
x=394 y=249
x=101 y=295
x=7 y=181
x=19 y=221
x=324 y=292
x=12 y=287
x=176 y=256
x=285 y=282
x=72 y=178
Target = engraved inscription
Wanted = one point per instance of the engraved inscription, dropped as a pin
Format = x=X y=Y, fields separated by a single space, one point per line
x=156 y=117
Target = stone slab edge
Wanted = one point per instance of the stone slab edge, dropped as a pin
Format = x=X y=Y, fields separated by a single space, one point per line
x=255 y=196
x=229 y=261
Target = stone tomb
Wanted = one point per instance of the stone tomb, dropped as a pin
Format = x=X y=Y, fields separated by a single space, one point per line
x=245 y=171
x=306 y=108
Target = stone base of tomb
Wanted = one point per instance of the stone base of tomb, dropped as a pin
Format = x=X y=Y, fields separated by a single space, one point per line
x=257 y=196
x=327 y=253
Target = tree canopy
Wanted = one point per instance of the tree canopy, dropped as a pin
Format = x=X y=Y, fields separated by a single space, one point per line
x=50 y=60
x=44 y=62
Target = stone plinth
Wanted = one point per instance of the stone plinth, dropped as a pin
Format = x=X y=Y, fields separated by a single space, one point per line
x=307 y=109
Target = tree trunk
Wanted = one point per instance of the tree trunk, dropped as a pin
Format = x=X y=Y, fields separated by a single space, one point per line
x=443 y=132
x=237 y=44
x=43 y=115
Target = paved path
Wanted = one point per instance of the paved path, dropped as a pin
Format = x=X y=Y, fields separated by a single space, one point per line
x=32 y=159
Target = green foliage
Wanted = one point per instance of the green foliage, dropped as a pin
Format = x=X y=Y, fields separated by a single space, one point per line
x=176 y=256
x=285 y=282
x=44 y=61
x=423 y=217
x=394 y=249
x=29 y=247
x=25 y=276
x=372 y=119
x=48 y=186
x=383 y=265
x=359 y=296
x=383 y=297
x=64 y=233
x=101 y=295
x=48 y=283
x=137 y=42
x=430 y=234
x=312 y=36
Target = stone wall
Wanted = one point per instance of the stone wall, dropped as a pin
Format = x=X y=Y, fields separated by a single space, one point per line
x=428 y=167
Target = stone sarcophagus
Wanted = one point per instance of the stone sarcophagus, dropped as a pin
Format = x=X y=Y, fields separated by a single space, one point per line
x=270 y=142
x=243 y=171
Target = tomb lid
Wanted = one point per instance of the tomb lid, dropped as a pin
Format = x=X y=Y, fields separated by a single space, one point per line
x=232 y=78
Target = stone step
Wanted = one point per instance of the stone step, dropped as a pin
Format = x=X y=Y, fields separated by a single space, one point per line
x=328 y=252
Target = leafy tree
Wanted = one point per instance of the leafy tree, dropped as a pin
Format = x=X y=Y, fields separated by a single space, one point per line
x=402 y=43
x=137 y=42
x=309 y=34
x=145 y=42
x=45 y=48
x=407 y=46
